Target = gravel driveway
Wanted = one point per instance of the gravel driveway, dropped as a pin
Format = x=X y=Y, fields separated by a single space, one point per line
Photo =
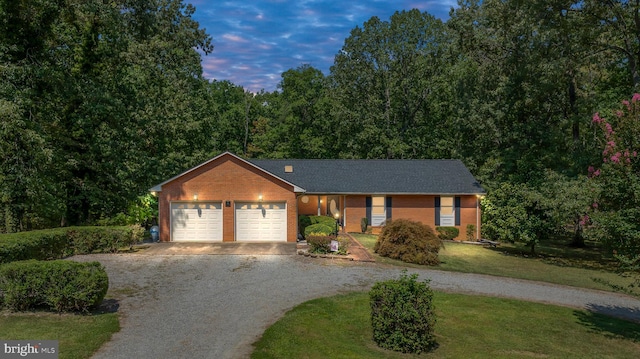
x=216 y=306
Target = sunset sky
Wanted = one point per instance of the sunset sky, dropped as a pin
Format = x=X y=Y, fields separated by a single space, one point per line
x=256 y=41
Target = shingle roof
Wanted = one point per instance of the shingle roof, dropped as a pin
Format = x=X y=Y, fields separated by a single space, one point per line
x=376 y=176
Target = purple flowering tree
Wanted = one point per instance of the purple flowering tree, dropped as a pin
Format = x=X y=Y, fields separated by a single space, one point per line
x=614 y=218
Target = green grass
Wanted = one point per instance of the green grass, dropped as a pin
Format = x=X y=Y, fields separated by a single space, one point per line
x=585 y=268
x=79 y=336
x=467 y=327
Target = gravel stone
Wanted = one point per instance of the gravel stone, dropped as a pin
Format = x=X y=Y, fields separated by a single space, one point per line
x=216 y=306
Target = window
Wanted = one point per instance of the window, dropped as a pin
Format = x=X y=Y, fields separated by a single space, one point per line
x=378 y=212
x=447 y=211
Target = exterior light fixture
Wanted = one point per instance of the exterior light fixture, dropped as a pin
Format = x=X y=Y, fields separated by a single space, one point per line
x=195 y=196
x=260 y=198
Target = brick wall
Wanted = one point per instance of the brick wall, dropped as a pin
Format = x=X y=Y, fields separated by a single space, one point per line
x=414 y=207
x=227 y=179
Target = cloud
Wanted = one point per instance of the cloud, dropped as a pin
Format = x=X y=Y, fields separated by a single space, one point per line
x=255 y=42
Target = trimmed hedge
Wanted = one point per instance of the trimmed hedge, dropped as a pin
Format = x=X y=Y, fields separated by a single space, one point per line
x=317 y=225
x=59 y=285
x=408 y=241
x=62 y=242
x=319 y=229
x=402 y=314
x=447 y=233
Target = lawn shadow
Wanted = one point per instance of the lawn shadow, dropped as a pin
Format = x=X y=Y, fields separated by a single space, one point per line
x=611 y=321
x=108 y=306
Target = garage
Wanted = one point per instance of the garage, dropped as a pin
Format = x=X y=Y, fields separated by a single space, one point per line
x=196 y=222
x=264 y=222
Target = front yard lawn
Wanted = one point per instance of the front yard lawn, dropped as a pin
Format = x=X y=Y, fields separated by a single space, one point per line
x=573 y=267
x=79 y=336
x=467 y=327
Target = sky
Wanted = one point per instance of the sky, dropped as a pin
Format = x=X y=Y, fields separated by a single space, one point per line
x=255 y=41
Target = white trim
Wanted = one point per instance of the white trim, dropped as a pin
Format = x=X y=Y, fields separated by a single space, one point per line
x=158 y=187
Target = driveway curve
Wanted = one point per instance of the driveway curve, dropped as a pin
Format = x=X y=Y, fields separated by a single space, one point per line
x=216 y=306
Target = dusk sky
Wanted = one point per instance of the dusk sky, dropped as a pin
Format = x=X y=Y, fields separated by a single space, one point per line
x=255 y=41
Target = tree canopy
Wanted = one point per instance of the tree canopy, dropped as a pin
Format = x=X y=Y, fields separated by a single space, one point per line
x=101 y=100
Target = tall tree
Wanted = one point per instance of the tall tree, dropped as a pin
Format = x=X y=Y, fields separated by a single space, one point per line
x=383 y=79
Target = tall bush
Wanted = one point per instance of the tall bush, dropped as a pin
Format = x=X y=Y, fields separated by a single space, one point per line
x=402 y=314
x=409 y=241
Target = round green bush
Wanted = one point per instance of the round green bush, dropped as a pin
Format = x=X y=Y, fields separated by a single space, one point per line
x=402 y=314
x=447 y=233
x=58 y=285
x=408 y=241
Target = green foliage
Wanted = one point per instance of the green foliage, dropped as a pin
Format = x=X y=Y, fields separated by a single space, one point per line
x=55 y=285
x=61 y=242
x=515 y=213
x=408 y=241
x=303 y=223
x=471 y=232
x=142 y=212
x=364 y=223
x=447 y=233
x=321 y=229
x=402 y=314
x=319 y=243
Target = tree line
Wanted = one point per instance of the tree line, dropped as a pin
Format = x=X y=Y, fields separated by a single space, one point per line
x=101 y=100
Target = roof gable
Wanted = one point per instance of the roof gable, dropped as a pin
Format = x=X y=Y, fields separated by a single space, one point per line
x=158 y=187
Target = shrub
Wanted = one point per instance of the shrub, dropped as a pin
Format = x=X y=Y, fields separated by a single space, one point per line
x=471 y=232
x=447 y=233
x=323 y=220
x=364 y=223
x=61 y=242
x=55 y=285
x=402 y=314
x=303 y=223
x=408 y=241
x=319 y=243
x=322 y=229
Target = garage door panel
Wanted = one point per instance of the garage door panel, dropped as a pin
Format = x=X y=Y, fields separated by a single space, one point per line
x=261 y=222
x=196 y=221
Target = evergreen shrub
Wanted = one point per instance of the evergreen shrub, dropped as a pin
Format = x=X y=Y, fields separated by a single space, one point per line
x=402 y=314
x=58 y=285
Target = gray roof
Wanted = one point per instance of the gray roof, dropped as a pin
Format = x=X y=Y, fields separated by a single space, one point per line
x=375 y=176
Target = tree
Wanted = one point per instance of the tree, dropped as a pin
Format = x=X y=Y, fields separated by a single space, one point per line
x=615 y=215
x=383 y=79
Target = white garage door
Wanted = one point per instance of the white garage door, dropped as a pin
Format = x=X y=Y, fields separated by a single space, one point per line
x=261 y=222
x=196 y=222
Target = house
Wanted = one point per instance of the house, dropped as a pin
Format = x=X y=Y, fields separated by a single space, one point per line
x=228 y=198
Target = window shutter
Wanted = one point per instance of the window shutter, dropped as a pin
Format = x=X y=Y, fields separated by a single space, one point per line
x=368 y=201
x=437 y=210
x=388 y=209
x=457 y=203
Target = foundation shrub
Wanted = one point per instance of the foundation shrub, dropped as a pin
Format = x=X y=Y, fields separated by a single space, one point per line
x=303 y=223
x=447 y=233
x=59 y=285
x=408 y=241
x=319 y=243
x=402 y=314
x=321 y=229
x=471 y=232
